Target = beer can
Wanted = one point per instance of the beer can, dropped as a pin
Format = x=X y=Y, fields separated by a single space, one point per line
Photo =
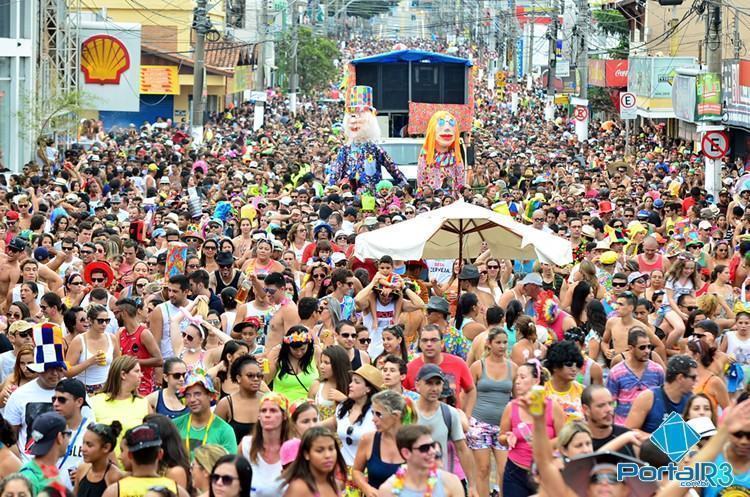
x=536 y=405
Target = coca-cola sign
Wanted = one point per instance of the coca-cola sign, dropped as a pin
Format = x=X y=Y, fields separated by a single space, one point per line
x=617 y=73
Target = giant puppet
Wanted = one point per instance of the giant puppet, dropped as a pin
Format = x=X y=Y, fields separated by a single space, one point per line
x=361 y=161
x=440 y=165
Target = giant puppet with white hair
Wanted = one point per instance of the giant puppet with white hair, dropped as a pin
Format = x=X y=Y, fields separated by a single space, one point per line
x=360 y=161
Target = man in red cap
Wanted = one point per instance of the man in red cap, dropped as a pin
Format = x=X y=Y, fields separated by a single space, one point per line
x=11 y=219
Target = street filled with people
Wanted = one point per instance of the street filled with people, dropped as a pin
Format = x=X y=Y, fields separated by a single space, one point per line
x=193 y=319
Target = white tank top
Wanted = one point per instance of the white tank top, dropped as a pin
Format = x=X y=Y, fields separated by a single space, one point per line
x=266 y=481
x=96 y=374
x=385 y=317
x=168 y=311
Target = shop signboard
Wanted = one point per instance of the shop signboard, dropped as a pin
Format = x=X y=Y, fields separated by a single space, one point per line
x=683 y=97
x=708 y=97
x=736 y=93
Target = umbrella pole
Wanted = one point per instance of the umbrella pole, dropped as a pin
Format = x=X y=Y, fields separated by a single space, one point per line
x=460 y=257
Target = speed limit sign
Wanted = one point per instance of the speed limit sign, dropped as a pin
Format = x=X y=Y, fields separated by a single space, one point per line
x=627 y=105
x=581 y=113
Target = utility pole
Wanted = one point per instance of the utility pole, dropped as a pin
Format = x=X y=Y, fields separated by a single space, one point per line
x=530 y=48
x=713 y=37
x=583 y=51
x=260 y=67
x=294 y=77
x=513 y=42
x=582 y=32
x=201 y=25
x=552 y=62
x=713 y=62
x=736 y=40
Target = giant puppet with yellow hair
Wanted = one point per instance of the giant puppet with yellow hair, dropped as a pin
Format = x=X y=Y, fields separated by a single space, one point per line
x=360 y=161
x=440 y=164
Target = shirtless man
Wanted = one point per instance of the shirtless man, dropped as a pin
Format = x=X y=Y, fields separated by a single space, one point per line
x=31 y=270
x=10 y=271
x=615 y=339
x=286 y=316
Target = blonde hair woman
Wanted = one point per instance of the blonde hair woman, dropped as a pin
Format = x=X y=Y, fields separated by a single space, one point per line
x=119 y=398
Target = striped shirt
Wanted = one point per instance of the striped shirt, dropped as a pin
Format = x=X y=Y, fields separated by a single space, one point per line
x=625 y=385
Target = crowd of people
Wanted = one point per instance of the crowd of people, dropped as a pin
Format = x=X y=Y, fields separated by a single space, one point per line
x=278 y=363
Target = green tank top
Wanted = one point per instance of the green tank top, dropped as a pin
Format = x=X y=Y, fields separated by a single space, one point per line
x=295 y=387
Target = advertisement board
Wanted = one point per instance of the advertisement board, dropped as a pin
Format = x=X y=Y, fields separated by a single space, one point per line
x=736 y=93
x=110 y=65
x=651 y=80
x=160 y=80
x=597 y=73
x=683 y=97
x=708 y=97
x=616 y=73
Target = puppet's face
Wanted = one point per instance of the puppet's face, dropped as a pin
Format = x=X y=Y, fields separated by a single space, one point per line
x=445 y=133
x=361 y=127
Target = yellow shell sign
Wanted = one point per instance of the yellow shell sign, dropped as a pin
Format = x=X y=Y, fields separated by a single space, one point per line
x=103 y=60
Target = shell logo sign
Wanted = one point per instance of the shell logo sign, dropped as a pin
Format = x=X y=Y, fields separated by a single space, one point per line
x=103 y=59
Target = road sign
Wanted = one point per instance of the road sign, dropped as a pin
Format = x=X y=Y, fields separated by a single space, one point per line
x=627 y=105
x=581 y=113
x=715 y=144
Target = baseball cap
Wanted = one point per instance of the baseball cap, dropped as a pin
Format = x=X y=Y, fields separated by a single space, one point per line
x=11 y=216
x=680 y=364
x=429 y=371
x=608 y=257
x=44 y=432
x=17 y=243
x=142 y=437
x=532 y=279
x=41 y=254
x=337 y=257
x=74 y=387
x=636 y=275
x=704 y=225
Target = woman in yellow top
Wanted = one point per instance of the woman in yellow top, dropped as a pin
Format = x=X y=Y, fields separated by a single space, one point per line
x=119 y=398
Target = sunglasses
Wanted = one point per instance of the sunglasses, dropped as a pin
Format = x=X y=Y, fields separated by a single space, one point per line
x=87 y=252
x=59 y=399
x=67 y=249
x=610 y=478
x=741 y=434
x=102 y=320
x=297 y=345
x=319 y=276
x=348 y=335
x=254 y=376
x=348 y=438
x=177 y=376
x=691 y=308
x=187 y=336
x=224 y=479
x=98 y=280
x=76 y=283
x=365 y=341
x=425 y=448
x=493 y=267
x=619 y=284
x=646 y=347
x=24 y=334
x=270 y=291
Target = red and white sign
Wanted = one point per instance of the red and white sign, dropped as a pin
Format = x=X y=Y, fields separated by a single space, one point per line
x=616 y=73
x=581 y=113
x=715 y=144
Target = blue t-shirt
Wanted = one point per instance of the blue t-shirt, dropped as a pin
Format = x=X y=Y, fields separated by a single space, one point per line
x=740 y=486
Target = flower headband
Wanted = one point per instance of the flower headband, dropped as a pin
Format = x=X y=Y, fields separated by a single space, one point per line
x=297 y=337
x=277 y=399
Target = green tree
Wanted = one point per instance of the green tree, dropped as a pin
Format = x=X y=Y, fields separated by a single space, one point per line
x=315 y=60
x=611 y=22
x=54 y=115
